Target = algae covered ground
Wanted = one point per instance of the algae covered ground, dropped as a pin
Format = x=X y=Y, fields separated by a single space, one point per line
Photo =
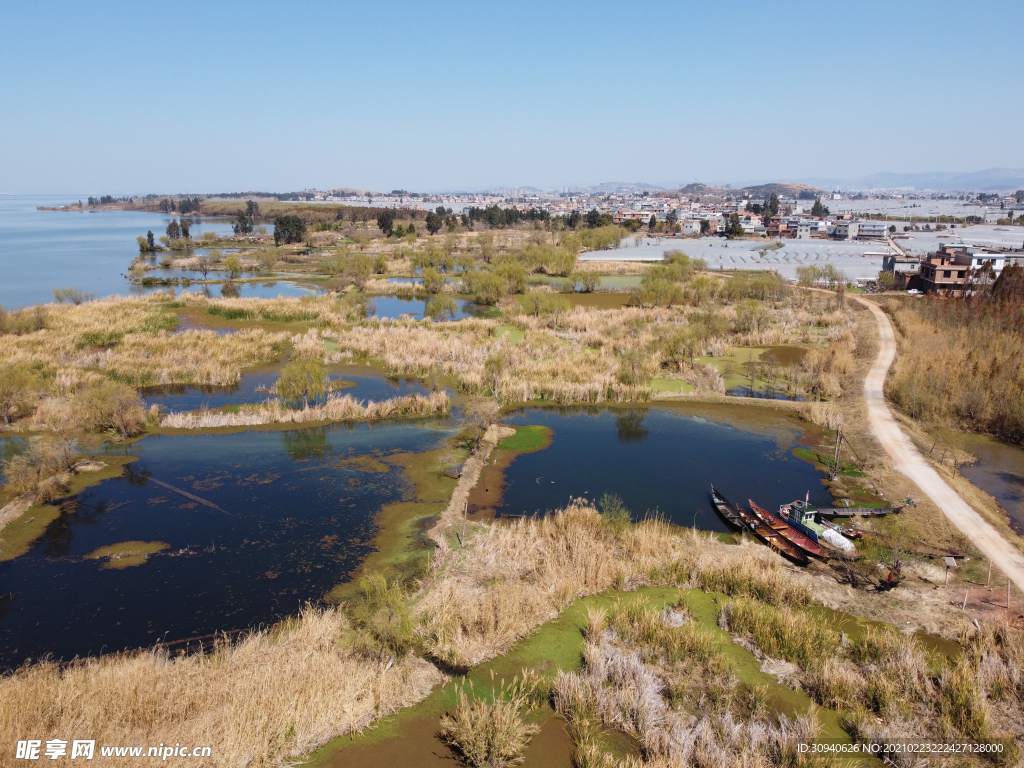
x=410 y=737
x=527 y=439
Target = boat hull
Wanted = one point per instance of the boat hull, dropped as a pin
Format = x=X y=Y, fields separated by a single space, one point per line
x=787 y=531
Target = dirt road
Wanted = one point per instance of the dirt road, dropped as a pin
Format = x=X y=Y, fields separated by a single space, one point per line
x=909 y=461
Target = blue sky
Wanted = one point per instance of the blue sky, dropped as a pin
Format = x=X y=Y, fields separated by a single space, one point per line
x=218 y=96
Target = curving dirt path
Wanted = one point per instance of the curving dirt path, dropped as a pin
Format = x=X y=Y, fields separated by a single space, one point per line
x=909 y=461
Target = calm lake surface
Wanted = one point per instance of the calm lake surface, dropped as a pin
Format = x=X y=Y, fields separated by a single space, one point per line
x=43 y=250
x=292 y=523
x=661 y=460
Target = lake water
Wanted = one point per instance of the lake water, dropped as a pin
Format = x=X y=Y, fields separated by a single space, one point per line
x=43 y=250
x=291 y=524
x=661 y=459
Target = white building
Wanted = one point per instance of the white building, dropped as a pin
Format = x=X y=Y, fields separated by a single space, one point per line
x=873 y=230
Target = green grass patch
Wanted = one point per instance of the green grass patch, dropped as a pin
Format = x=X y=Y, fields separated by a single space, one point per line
x=527 y=439
x=238 y=313
x=514 y=334
x=671 y=385
x=826 y=463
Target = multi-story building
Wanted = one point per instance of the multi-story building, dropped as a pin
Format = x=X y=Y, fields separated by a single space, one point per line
x=872 y=230
x=846 y=230
x=940 y=273
x=905 y=269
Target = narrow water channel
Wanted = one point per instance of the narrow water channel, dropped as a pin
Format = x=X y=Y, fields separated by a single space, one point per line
x=998 y=471
x=254 y=387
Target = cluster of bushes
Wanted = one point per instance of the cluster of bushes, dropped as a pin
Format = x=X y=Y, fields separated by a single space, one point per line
x=101 y=406
x=23 y=321
x=491 y=286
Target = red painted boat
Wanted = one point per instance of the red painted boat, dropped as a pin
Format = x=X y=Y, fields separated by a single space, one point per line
x=774 y=541
x=787 y=531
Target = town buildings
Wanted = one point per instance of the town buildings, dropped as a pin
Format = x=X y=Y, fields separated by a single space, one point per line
x=952 y=270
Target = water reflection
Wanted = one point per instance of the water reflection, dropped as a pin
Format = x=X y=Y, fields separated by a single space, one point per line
x=9 y=448
x=254 y=387
x=630 y=426
x=998 y=471
x=660 y=459
x=394 y=307
x=305 y=444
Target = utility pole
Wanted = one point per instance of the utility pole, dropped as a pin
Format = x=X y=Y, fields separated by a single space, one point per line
x=835 y=464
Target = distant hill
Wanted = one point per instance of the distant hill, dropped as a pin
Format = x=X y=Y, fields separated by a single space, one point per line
x=782 y=189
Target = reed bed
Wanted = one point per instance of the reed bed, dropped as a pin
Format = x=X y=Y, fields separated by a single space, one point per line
x=263 y=701
x=681 y=707
x=542 y=366
x=490 y=732
x=128 y=340
x=780 y=632
x=959 y=363
x=512 y=577
x=344 y=408
x=884 y=678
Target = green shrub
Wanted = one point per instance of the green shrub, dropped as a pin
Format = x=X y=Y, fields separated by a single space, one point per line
x=302 y=382
x=381 y=617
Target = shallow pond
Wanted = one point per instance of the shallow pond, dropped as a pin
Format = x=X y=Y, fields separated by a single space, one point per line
x=998 y=471
x=254 y=385
x=253 y=289
x=661 y=459
x=394 y=307
x=255 y=525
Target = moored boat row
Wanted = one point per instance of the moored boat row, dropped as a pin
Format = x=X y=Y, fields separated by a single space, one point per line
x=741 y=519
x=796 y=531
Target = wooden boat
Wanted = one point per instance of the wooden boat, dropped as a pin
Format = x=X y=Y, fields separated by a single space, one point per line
x=726 y=509
x=857 y=511
x=771 y=538
x=787 y=531
x=846 y=530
